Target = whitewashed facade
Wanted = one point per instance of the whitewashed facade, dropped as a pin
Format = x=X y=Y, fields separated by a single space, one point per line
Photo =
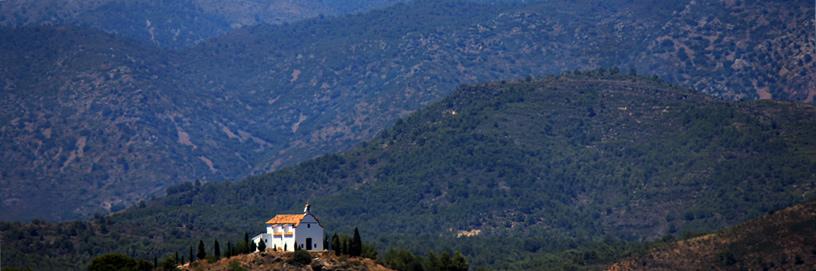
x=285 y=230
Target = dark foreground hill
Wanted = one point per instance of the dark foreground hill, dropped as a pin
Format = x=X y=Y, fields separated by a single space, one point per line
x=535 y=169
x=97 y=124
x=783 y=240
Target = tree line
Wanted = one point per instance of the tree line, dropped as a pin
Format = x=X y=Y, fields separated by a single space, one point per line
x=339 y=244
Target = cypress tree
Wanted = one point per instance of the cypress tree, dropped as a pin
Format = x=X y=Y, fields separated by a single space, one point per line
x=246 y=243
x=202 y=251
x=251 y=247
x=155 y=262
x=325 y=241
x=229 y=249
x=335 y=245
x=262 y=245
x=345 y=250
x=217 y=249
x=356 y=246
x=191 y=254
x=296 y=246
x=177 y=257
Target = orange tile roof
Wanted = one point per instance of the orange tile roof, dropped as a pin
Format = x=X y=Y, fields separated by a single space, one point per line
x=286 y=219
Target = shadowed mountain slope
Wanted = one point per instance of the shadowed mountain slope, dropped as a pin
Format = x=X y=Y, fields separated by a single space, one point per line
x=782 y=240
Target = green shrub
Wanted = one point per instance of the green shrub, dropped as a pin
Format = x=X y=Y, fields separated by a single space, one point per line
x=301 y=257
x=235 y=266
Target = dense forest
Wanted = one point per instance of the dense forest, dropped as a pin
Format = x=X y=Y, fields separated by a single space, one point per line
x=564 y=171
x=93 y=122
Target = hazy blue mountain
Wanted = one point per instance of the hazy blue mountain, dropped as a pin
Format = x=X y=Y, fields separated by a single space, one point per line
x=173 y=23
x=95 y=122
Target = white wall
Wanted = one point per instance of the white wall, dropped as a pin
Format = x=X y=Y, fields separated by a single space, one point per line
x=276 y=240
x=310 y=228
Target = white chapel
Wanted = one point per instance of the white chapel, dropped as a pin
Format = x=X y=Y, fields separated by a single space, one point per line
x=284 y=231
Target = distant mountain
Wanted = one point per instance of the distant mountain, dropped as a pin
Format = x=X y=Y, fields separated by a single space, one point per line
x=174 y=23
x=265 y=97
x=84 y=115
x=783 y=240
x=530 y=168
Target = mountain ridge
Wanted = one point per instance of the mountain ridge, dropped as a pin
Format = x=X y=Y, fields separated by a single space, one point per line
x=173 y=24
x=266 y=97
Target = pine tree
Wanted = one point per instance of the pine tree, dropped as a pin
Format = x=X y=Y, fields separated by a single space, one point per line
x=445 y=260
x=459 y=262
x=433 y=262
x=202 y=251
x=216 y=249
x=356 y=246
x=262 y=245
x=335 y=245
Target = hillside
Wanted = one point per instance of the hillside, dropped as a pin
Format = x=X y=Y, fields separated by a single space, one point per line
x=594 y=161
x=265 y=97
x=783 y=240
x=93 y=124
x=173 y=24
x=83 y=113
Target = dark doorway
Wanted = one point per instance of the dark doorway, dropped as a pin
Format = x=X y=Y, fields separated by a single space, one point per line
x=308 y=243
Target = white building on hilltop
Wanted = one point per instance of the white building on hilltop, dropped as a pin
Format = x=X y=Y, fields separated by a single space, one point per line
x=285 y=230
